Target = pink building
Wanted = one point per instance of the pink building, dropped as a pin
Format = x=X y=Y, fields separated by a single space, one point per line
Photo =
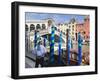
x=84 y=28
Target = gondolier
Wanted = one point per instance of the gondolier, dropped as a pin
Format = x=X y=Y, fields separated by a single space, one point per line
x=40 y=52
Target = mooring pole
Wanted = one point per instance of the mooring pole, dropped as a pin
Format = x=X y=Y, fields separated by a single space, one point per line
x=79 y=49
x=35 y=38
x=68 y=47
x=45 y=41
x=59 y=48
x=52 y=39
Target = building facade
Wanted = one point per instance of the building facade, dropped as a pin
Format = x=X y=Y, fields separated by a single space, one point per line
x=84 y=28
x=71 y=25
x=63 y=27
x=72 y=28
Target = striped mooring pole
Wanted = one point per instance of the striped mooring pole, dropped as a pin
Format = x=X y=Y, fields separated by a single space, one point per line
x=79 y=49
x=36 y=38
x=59 y=48
x=52 y=39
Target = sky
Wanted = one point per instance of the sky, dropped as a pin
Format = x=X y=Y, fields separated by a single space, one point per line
x=58 y=18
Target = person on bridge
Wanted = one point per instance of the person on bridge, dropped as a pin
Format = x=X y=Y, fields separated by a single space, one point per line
x=40 y=52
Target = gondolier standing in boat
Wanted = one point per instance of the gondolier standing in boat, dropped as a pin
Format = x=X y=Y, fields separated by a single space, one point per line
x=40 y=52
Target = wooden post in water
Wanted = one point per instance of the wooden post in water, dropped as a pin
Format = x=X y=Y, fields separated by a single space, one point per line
x=67 y=47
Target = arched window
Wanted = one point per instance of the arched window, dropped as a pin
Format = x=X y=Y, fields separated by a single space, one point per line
x=84 y=32
x=49 y=22
x=26 y=27
x=63 y=33
x=32 y=27
x=55 y=28
x=43 y=26
x=38 y=26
